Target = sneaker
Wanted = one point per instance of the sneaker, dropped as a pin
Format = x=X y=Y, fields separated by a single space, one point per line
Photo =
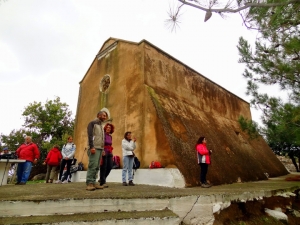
x=97 y=186
x=131 y=183
x=58 y=182
x=125 y=184
x=65 y=182
x=22 y=183
x=90 y=187
x=205 y=185
x=208 y=184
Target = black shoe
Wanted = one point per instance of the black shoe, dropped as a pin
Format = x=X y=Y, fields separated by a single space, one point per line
x=131 y=183
x=22 y=183
x=17 y=183
x=125 y=184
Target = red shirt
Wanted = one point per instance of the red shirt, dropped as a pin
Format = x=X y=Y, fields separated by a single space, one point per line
x=54 y=157
x=29 y=152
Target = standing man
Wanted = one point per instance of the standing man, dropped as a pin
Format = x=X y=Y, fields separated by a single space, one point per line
x=96 y=145
x=30 y=152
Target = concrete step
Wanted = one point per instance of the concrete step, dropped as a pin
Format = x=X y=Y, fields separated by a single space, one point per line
x=191 y=205
x=166 y=177
x=159 y=217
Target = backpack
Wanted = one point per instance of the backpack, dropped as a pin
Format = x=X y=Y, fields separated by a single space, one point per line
x=155 y=164
x=73 y=169
x=136 y=163
x=80 y=166
x=116 y=162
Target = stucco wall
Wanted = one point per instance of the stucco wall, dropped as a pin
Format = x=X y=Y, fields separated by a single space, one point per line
x=127 y=99
x=167 y=106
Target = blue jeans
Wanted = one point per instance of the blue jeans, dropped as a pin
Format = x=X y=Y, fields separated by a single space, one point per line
x=127 y=167
x=23 y=171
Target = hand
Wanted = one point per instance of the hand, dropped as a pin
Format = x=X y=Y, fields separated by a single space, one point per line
x=134 y=139
x=66 y=158
x=93 y=151
x=44 y=163
x=35 y=161
x=210 y=151
x=103 y=153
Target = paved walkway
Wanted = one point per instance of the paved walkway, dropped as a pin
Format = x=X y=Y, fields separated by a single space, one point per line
x=192 y=205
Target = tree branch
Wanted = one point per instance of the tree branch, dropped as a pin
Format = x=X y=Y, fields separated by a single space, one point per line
x=247 y=5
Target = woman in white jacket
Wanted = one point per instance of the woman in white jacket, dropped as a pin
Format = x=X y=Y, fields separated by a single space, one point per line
x=128 y=147
x=67 y=152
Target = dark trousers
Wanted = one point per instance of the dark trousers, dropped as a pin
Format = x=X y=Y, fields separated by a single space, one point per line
x=62 y=167
x=105 y=168
x=204 y=168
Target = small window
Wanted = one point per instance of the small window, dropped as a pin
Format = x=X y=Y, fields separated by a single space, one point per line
x=104 y=83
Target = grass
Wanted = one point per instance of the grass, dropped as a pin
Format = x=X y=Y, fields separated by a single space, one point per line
x=35 y=181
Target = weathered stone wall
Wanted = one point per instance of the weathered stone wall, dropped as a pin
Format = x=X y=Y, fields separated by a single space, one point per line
x=167 y=106
x=127 y=99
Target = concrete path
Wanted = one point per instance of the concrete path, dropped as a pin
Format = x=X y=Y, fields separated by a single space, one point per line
x=192 y=205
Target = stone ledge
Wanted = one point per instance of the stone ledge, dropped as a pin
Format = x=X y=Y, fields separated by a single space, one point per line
x=166 y=177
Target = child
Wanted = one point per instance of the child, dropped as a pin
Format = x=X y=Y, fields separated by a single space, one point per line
x=53 y=160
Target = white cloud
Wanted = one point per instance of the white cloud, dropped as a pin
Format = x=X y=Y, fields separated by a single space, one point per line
x=47 y=46
x=8 y=60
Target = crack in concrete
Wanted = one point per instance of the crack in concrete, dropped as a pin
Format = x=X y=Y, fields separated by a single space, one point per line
x=181 y=222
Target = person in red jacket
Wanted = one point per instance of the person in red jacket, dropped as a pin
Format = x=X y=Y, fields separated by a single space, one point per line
x=30 y=152
x=203 y=156
x=52 y=161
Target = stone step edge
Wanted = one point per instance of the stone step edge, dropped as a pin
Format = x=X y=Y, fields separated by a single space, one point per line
x=78 y=218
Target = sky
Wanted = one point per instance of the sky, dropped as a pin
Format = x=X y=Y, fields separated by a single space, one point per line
x=47 y=46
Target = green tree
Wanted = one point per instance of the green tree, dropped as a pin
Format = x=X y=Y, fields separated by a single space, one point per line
x=14 y=139
x=275 y=60
x=282 y=125
x=48 y=124
x=51 y=120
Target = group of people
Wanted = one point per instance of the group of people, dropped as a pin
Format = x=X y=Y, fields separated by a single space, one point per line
x=100 y=156
x=62 y=159
x=29 y=152
x=100 y=153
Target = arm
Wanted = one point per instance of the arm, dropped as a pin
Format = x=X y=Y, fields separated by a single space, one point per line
x=36 y=153
x=48 y=157
x=72 y=152
x=63 y=151
x=128 y=146
x=202 y=150
x=60 y=157
x=18 y=151
x=90 y=134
